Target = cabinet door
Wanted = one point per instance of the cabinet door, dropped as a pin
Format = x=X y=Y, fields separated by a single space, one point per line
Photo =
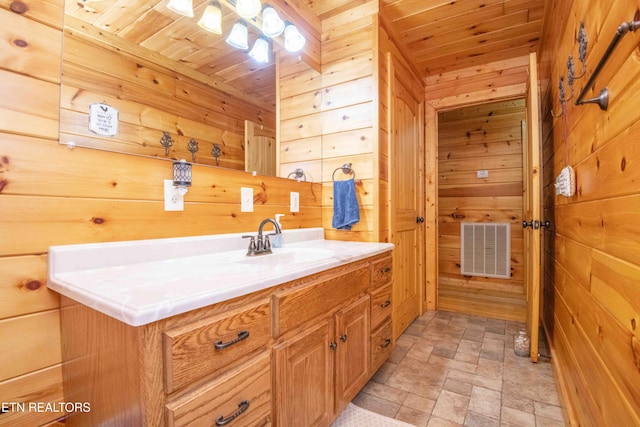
x=304 y=378
x=352 y=355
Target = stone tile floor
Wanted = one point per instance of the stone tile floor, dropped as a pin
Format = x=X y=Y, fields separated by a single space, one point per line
x=451 y=369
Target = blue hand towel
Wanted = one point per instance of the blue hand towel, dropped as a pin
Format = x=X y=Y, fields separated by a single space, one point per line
x=346 y=211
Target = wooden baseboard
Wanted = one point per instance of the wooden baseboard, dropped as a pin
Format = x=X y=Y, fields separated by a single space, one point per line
x=568 y=407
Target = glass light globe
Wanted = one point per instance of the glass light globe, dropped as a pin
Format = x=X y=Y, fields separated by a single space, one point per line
x=183 y=7
x=293 y=40
x=272 y=25
x=248 y=8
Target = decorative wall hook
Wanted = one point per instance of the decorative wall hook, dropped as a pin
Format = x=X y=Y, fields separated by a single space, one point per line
x=560 y=98
x=570 y=75
x=192 y=146
x=216 y=152
x=166 y=141
x=582 y=49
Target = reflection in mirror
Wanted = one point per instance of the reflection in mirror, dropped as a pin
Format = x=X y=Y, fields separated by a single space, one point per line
x=179 y=91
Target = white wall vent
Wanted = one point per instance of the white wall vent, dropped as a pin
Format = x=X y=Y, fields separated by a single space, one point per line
x=485 y=249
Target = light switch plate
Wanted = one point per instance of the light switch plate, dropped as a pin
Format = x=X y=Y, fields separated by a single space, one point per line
x=295 y=201
x=482 y=174
x=246 y=202
x=173 y=200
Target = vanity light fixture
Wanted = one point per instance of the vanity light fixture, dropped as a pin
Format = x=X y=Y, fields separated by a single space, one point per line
x=272 y=25
x=211 y=19
x=248 y=9
x=239 y=35
x=260 y=50
x=182 y=176
x=183 y=7
x=293 y=40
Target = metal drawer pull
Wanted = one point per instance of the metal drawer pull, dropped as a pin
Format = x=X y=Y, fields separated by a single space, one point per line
x=386 y=343
x=343 y=338
x=385 y=270
x=242 y=335
x=333 y=345
x=242 y=406
x=387 y=303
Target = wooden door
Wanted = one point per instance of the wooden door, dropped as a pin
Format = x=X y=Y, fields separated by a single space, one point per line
x=532 y=204
x=259 y=149
x=352 y=353
x=404 y=158
x=304 y=378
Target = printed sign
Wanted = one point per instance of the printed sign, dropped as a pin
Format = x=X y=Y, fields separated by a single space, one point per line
x=103 y=119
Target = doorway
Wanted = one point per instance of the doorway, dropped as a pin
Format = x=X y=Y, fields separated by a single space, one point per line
x=480 y=181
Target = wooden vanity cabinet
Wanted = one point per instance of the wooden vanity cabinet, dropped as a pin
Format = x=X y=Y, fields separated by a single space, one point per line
x=381 y=312
x=292 y=355
x=321 y=358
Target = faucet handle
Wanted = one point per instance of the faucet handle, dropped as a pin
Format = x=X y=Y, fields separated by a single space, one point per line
x=267 y=244
x=252 y=243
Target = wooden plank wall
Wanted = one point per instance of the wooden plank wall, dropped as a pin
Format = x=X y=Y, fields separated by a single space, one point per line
x=51 y=195
x=150 y=99
x=328 y=119
x=485 y=137
x=592 y=254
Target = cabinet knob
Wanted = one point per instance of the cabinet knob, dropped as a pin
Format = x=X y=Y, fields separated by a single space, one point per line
x=242 y=335
x=242 y=406
x=333 y=345
x=385 y=270
x=343 y=338
x=386 y=343
x=385 y=304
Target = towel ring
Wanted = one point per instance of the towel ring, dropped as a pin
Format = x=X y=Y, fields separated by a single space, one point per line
x=346 y=169
x=298 y=174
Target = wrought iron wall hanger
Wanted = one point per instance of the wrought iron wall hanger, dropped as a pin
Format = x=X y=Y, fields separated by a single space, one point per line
x=603 y=98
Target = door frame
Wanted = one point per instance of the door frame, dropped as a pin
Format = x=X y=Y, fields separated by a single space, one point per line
x=432 y=107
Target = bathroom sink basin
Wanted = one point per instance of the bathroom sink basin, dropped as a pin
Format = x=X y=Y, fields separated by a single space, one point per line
x=290 y=256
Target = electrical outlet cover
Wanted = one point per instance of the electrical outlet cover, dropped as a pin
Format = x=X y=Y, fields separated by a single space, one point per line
x=295 y=201
x=173 y=200
x=246 y=202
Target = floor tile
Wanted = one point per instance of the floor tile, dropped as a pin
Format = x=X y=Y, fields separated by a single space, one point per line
x=450 y=369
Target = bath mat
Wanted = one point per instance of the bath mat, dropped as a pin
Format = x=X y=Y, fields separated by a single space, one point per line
x=355 y=416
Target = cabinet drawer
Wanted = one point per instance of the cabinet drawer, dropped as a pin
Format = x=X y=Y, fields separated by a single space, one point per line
x=198 y=349
x=291 y=308
x=244 y=391
x=380 y=305
x=381 y=345
x=382 y=272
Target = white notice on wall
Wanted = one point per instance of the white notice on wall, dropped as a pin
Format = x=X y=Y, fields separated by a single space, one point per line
x=103 y=119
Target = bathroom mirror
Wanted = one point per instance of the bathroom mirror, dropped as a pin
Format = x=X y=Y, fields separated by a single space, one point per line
x=141 y=79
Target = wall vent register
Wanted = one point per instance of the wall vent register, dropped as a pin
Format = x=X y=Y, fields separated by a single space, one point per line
x=485 y=249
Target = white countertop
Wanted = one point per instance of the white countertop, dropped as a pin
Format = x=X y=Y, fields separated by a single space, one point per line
x=142 y=281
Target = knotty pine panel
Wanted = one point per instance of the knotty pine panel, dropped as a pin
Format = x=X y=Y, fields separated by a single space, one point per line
x=591 y=309
x=348 y=68
x=301 y=150
x=349 y=143
x=312 y=170
x=23 y=286
x=30 y=48
x=30 y=342
x=44 y=386
x=345 y=94
x=301 y=105
x=348 y=118
x=301 y=127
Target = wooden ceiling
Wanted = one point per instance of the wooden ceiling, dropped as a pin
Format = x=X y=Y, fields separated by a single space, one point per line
x=440 y=35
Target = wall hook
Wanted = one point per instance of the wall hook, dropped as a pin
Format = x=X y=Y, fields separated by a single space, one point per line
x=166 y=141
x=582 y=50
x=561 y=99
x=216 y=152
x=192 y=146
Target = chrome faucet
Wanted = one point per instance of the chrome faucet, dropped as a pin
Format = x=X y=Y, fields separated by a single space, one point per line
x=260 y=244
